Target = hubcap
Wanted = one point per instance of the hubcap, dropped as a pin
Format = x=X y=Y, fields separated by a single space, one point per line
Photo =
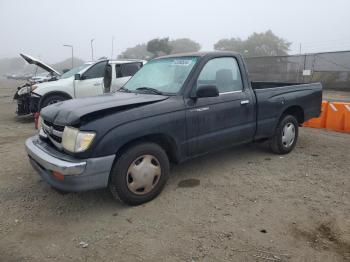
x=288 y=134
x=143 y=174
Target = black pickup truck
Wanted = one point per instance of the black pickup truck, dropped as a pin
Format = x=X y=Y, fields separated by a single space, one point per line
x=175 y=108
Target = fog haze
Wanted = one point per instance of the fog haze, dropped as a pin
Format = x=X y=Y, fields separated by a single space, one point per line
x=40 y=28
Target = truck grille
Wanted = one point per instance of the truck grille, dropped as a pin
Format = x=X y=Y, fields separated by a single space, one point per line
x=54 y=132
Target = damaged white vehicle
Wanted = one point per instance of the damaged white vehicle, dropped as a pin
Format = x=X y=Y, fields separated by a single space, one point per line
x=23 y=93
x=89 y=79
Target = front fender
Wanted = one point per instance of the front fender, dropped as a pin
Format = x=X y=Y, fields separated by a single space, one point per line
x=54 y=89
x=63 y=85
x=170 y=125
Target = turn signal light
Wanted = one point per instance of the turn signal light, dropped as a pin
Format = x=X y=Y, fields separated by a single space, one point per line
x=58 y=175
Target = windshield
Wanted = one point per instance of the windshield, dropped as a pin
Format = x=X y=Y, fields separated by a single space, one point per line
x=166 y=75
x=74 y=71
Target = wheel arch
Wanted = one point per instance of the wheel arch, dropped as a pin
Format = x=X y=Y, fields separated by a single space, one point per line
x=296 y=111
x=61 y=93
x=163 y=140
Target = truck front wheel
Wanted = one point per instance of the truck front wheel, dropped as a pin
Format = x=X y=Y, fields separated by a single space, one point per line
x=286 y=135
x=139 y=174
x=52 y=99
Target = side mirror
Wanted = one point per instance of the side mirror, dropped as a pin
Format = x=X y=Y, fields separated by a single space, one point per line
x=77 y=77
x=207 y=91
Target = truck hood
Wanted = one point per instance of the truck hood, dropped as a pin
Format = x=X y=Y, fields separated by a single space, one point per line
x=70 y=112
x=33 y=61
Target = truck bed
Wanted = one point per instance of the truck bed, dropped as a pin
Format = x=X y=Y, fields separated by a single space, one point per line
x=272 y=99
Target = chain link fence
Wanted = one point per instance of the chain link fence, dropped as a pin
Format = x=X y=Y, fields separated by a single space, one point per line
x=332 y=69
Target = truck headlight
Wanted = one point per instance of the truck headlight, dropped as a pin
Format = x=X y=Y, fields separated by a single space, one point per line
x=23 y=91
x=76 y=141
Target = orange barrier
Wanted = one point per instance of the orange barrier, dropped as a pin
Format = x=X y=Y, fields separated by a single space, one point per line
x=347 y=118
x=338 y=116
x=334 y=116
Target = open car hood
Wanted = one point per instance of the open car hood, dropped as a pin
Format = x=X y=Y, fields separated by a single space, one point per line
x=33 y=61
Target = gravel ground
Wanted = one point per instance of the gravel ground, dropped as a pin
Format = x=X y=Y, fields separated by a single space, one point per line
x=241 y=204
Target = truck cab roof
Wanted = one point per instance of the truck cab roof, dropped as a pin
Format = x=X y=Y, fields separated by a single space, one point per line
x=202 y=54
x=122 y=61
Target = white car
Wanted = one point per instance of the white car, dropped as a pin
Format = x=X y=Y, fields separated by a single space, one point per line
x=89 y=79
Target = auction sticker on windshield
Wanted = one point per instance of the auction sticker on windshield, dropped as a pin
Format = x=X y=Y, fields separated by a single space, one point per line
x=183 y=62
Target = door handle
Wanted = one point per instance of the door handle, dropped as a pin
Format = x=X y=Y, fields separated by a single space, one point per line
x=244 y=102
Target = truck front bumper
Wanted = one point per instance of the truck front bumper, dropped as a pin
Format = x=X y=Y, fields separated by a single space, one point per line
x=27 y=104
x=74 y=174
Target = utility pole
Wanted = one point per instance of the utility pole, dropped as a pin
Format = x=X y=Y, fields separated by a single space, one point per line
x=112 y=47
x=300 y=48
x=71 y=46
x=92 y=50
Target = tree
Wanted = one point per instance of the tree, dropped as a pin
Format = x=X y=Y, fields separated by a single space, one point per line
x=184 y=45
x=159 y=46
x=262 y=44
x=233 y=44
x=67 y=63
x=257 y=44
x=137 y=52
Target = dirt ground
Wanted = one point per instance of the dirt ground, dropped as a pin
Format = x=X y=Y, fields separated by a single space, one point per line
x=241 y=204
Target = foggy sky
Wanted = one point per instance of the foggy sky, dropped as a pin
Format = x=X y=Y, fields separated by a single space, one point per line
x=41 y=27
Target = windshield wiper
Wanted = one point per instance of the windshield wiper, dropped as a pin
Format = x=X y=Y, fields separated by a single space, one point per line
x=123 y=89
x=150 y=89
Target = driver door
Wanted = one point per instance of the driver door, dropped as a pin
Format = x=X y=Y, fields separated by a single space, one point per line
x=222 y=121
x=91 y=81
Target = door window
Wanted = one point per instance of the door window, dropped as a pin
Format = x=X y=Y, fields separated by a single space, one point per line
x=96 y=71
x=224 y=73
x=128 y=69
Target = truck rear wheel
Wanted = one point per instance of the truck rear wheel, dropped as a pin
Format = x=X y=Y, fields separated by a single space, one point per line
x=139 y=174
x=286 y=135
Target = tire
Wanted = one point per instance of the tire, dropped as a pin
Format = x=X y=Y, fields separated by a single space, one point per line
x=139 y=174
x=52 y=99
x=286 y=135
